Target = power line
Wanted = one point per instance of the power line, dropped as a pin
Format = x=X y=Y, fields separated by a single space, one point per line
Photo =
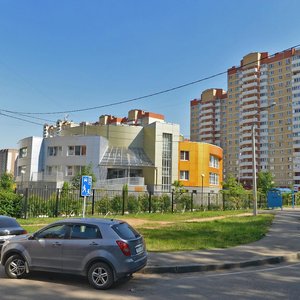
x=32 y=117
x=13 y=117
x=145 y=96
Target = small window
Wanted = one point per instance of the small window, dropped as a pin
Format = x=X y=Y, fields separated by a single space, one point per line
x=184 y=155
x=23 y=152
x=54 y=232
x=184 y=175
x=77 y=150
x=125 y=231
x=80 y=231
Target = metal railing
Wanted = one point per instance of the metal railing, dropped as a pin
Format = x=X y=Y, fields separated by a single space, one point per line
x=53 y=202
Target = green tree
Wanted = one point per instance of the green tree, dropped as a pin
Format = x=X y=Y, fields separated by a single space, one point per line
x=234 y=192
x=85 y=171
x=265 y=182
x=7 y=182
x=178 y=191
x=232 y=187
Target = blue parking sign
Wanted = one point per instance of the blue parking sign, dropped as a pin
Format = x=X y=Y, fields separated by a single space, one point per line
x=86 y=186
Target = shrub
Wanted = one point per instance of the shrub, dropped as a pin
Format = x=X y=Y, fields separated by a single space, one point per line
x=133 y=204
x=10 y=204
x=116 y=204
x=143 y=202
x=103 y=205
x=165 y=203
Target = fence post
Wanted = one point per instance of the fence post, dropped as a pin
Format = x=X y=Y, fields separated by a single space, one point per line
x=123 y=202
x=172 y=201
x=192 y=200
x=224 y=200
x=149 y=201
x=208 y=201
x=25 y=203
x=93 y=202
x=56 y=203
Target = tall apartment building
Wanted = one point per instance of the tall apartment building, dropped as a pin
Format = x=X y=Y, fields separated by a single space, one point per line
x=206 y=116
x=253 y=86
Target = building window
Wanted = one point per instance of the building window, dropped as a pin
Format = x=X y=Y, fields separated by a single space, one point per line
x=53 y=170
x=184 y=155
x=54 y=151
x=167 y=162
x=213 y=178
x=23 y=152
x=214 y=161
x=76 y=150
x=73 y=170
x=184 y=175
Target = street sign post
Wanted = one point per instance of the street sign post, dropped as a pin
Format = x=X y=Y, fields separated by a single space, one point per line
x=85 y=190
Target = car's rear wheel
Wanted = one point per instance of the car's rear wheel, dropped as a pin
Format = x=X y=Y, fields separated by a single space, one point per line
x=100 y=276
x=15 y=267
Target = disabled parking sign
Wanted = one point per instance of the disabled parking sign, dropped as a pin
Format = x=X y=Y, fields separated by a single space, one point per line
x=86 y=186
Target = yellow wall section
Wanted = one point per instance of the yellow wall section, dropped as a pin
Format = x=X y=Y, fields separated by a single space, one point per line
x=198 y=163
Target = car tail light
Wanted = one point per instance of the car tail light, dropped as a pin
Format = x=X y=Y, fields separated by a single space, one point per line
x=124 y=248
x=25 y=232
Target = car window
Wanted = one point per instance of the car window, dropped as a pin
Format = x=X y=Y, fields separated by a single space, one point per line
x=125 y=231
x=81 y=231
x=7 y=222
x=54 y=232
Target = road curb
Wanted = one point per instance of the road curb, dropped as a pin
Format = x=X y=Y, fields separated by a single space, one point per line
x=222 y=266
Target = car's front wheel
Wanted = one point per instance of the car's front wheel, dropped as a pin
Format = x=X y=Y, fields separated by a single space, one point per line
x=15 y=267
x=100 y=276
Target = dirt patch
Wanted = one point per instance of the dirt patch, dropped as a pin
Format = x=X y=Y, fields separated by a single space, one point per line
x=154 y=224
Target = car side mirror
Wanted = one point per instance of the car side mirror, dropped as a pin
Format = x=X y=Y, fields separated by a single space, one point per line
x=32 y=237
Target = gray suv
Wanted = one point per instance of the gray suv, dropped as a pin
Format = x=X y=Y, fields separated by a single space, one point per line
x=101 y=249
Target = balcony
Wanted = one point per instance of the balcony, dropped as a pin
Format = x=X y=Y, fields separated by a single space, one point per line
x=249 y=78
x=207 y=111
x=249 y=92
x=295 y=83
x=249 y=71
x=249 y=85
x=249 y=106
x=296 y=68
x=249 y=113
x=248 y=99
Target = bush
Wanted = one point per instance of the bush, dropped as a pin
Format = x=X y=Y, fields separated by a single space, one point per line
x=143 y=202
x=103 y=206
x=165 y=203
x=133 y=204
x=155 y=203
x=10 y=204
x=116 y=204
x=185 y=202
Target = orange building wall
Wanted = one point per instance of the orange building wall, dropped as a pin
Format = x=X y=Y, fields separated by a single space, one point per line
x=198 y=164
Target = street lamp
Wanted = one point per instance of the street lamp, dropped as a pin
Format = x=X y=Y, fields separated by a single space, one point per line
x=202 y=178
x=254 y=163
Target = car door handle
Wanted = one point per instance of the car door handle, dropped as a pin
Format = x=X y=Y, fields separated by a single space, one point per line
x=94 y=244
x=56 y=244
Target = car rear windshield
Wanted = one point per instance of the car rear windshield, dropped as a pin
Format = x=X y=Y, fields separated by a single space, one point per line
x=125 y=231
x=7 y=222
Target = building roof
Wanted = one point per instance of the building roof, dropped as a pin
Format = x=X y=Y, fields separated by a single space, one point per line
x=124 y=157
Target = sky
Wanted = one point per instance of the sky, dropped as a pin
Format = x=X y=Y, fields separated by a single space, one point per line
x=59 y=58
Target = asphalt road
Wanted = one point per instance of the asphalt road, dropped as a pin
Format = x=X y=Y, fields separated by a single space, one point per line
x=268 y=282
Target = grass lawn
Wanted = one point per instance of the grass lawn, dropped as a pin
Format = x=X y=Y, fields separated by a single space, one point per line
x=188 y=231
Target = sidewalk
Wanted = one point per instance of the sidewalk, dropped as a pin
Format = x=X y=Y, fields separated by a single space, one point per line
x=282 y=243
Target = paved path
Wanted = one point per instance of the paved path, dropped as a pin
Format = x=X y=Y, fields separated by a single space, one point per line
x=282 y=243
